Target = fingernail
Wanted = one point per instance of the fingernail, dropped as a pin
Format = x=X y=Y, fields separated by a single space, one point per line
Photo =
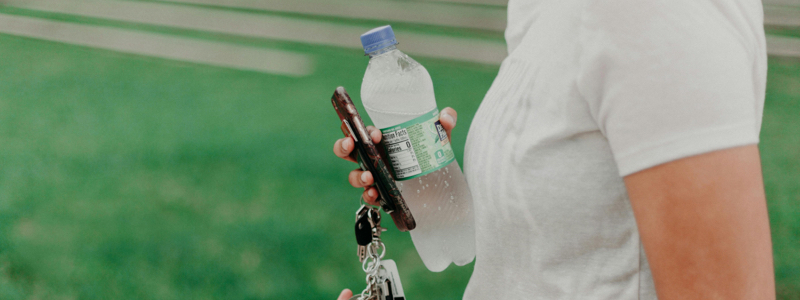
x=371 y=193
x=346 y=145
x=449 y=118
x=364 y=177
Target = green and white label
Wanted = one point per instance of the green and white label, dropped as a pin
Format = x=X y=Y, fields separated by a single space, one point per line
x=418 y=147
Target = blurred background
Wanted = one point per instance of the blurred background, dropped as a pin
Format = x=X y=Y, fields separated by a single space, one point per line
x=181 y=149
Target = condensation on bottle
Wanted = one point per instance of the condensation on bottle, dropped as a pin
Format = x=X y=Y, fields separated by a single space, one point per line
x=396 y=90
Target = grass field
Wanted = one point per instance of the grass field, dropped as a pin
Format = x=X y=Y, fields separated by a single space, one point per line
x=128 y=177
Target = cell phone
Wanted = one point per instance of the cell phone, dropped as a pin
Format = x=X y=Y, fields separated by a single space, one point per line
x=369 y=158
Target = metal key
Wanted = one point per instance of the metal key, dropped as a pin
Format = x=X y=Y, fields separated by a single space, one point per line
x=363 y=231
x=368 y=228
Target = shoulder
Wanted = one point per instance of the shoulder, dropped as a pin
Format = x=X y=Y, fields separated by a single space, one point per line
x=671 y=20
x=667 y=79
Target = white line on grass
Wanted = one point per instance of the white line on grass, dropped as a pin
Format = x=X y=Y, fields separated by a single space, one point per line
x=794 y=3
x=440 y=14
x=268 y=27
x=158 y=45
x=480 y=2
x=782 y=16
x=783 y=46
x=491 y=18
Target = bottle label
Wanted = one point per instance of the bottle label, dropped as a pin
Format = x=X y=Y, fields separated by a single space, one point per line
x=417 y=147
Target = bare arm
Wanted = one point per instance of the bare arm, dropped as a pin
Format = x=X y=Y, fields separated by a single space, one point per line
x=704 y=226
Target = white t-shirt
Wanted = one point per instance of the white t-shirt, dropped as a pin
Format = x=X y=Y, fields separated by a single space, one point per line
x=593 y=91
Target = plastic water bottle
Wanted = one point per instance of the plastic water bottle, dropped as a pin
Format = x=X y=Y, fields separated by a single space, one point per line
x=397 y=93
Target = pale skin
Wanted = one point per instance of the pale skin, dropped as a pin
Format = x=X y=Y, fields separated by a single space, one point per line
x=702 y=220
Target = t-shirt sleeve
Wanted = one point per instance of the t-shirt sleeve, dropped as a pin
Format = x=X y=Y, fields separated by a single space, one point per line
x=669 y=79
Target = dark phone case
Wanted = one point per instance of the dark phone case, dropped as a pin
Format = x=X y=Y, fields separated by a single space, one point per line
x=370 y=160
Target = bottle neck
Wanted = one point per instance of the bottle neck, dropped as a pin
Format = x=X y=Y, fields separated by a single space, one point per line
x=382 y=51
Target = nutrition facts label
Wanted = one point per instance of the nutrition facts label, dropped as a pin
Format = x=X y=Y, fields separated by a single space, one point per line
x=417 y=147
x=401 y=153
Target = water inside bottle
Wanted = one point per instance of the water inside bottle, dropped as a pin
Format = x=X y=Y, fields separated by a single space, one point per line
x=445 y=228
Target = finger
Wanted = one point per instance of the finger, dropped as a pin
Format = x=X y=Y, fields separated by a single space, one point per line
x=371 y=195
x=342 y=148
x=448 y=118
x=360 y=178
x=375 y=134
x=345 y=295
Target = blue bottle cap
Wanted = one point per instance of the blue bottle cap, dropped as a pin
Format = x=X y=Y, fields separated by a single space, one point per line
x=378 y=38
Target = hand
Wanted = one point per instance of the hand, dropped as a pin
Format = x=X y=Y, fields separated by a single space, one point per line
x=345 y=295
x=363 y=179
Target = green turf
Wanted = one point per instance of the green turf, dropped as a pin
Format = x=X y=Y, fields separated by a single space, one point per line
x=780 y=156
x=128 y=177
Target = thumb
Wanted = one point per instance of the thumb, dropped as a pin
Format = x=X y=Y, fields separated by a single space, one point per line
x=448 y=117
x=345 y=295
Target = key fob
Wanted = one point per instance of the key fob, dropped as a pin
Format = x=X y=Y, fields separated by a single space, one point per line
x=391 y=287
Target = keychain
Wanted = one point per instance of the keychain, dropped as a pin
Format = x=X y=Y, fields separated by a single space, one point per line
x=383 y=280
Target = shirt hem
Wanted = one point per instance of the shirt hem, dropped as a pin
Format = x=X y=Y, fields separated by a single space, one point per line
x=699 y=143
